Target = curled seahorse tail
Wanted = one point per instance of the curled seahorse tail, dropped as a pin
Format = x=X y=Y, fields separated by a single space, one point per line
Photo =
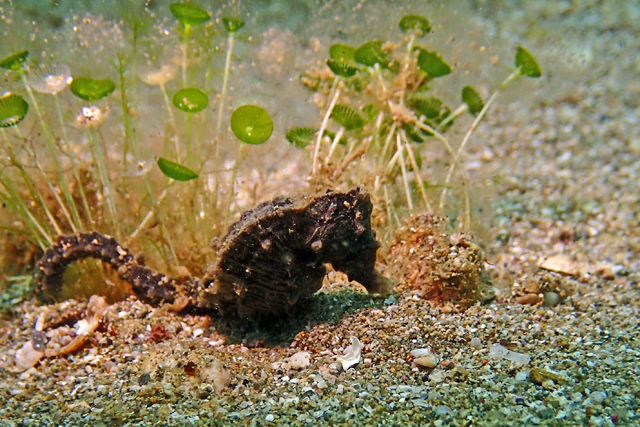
x=148 y=285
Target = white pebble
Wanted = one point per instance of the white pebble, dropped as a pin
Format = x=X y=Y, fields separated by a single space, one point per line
x=429 y=361
x=197 y=332
x=269 y=418
x=476 y=343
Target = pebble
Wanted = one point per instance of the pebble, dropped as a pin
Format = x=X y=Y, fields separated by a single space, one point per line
x=429 y=361
x=476 y=343
x=551 y=299
x=269 y=418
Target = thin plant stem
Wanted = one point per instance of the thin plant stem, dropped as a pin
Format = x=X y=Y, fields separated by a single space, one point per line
x=334 y=144
x=403 y=168
x=185 y=40
x=104 y=175
x=325 y=121
x=26 y=214
x=456 y=161
x=223 y=94
x=416 y=170
x=189 y=122
x=33 y=188
x=167 y=103
x=64 y=186
x=152 y=213
x=387 y=142
x=471 y=129
x=234 y=173
x=73 y=161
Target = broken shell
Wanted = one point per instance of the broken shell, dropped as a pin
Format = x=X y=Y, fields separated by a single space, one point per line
x=352 y=357
x=86 y=327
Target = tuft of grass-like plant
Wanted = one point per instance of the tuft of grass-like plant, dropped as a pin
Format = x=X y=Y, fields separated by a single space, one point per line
x=89 y=89
x=381 y=102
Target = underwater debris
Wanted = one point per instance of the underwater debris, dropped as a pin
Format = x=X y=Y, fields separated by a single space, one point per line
x=352 y=357
x=86 y=327
x=273 y=257
x=502 y=352
x=440 y=265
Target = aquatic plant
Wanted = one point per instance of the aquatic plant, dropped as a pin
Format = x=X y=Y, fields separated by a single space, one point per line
x=189 y=15
x=252 y=125
x=393 y=127
x=190 y=100
x=89 y=89
x=232 y=25
x=175 y=170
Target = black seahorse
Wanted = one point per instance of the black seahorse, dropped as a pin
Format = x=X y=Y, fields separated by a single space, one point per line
x=270 y=259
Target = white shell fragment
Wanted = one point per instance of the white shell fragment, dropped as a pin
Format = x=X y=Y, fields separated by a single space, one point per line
x=86 y=327
x=26 y=357
x=353 y=354
x=502 y=352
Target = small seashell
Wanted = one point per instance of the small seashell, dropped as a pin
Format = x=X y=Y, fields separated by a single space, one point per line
x=353 y=354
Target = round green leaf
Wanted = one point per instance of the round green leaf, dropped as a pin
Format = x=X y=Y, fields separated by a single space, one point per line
x=232 y=24
x=175 y=170
x=433 y=64
x=415 y=24
x=473 y=100
x=13 y=108
x=527 y=63
x=371 y=53
x=251 y=124
x=189 y=14
x=190 y=100
x=342 y=68
x=341 y=52
x=91 y=90
x=347 y=117
x=301 y=137
x=14 y=61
